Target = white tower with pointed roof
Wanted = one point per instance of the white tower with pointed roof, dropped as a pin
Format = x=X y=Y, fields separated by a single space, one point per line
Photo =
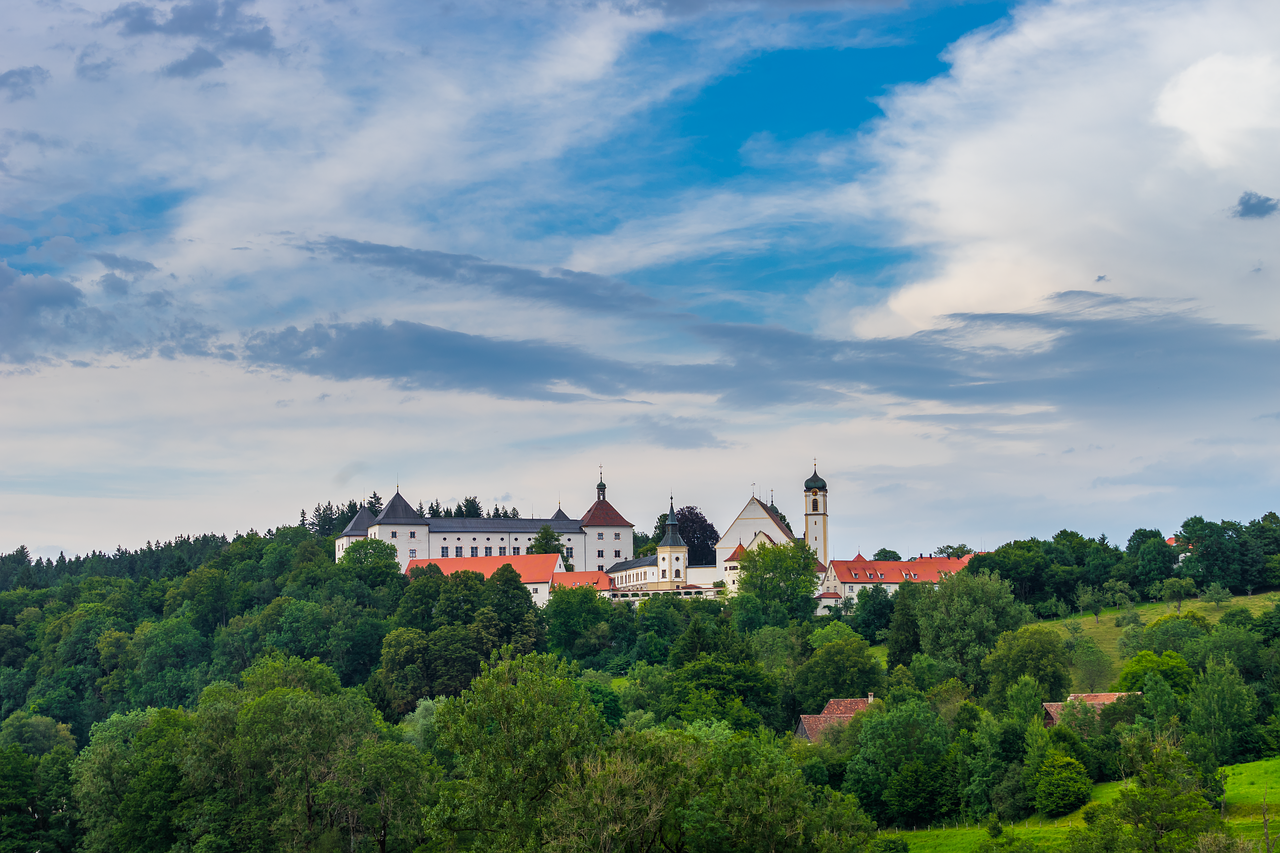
x=673 y=555
x=815 y=514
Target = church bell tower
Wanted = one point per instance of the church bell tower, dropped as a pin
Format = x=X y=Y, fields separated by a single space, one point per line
x=815 y=514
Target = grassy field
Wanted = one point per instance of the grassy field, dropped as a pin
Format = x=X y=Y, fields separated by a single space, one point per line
x=1247 y=786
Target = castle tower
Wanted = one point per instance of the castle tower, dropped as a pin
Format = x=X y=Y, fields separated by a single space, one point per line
x=673 y=556
x=815 y=514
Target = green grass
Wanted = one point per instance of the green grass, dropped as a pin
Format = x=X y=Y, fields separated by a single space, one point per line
x=1107 y=635
x=1247 y=784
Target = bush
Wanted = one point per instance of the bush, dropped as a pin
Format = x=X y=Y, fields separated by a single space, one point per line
x=1062 y=786
x=889 y=844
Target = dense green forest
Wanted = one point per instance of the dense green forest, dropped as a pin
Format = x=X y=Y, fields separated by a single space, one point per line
x=253 y=694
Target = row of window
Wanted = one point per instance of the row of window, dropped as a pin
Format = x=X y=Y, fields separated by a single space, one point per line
x=616 y=554
x=600 y=535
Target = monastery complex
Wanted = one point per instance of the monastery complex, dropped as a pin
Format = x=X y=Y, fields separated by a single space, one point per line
x=599 y=550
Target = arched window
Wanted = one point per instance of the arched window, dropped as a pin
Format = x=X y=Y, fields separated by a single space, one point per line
x=677 y=574
x=815 y=504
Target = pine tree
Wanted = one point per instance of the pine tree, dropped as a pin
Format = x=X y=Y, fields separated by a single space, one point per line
x=374 y=504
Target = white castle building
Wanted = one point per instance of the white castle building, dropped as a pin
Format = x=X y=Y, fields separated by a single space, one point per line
x=599 y=539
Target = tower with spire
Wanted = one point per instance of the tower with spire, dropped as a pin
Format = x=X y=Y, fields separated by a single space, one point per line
x=608 y=536
x=815 y=514
x=673 y=555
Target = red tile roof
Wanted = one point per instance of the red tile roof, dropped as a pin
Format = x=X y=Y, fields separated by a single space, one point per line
x=602 y=514
x=859 y=558
x=737 y=554
x=600 y=580
x=923 y=570
x=812 y=725
x=829 y=595
x=1053 y=710
x=532 y=568
x=847 y=706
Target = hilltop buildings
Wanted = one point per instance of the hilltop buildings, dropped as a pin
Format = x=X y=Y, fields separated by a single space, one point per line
x=599 y=549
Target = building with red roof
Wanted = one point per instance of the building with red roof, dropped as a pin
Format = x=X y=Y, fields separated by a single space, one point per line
x=811 y=726
x=847 y=578
x=537 y=571
x=1096 y=701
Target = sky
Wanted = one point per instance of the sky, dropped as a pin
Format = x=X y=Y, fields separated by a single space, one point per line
x=1000 y=268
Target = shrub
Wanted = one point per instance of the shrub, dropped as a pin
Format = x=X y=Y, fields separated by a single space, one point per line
x=1062 y=786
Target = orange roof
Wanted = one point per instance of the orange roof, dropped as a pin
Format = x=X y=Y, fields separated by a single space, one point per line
x=600 y=580
x=602 y=514
x=859 y=558
x=1094 y=700
x=923 y=570
x=532 y=568
x=829 y=595
x=812 y=725
x=736 y=556
x=847 y=706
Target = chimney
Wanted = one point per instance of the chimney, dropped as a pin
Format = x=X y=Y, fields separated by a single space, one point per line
x=871 y=697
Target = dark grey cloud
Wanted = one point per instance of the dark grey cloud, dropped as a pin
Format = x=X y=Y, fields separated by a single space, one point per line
x=193 y=64
x=220 y=27
x=1251 y=205
x=88 y=69
x=677 y=433
x=120 y=263
x=1099 y=354
x=583 y=291
x=416 y=355
x=114 y=285
x=31 y=308
x=21 y=82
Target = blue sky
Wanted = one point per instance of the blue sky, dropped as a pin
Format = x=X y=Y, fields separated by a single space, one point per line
x=1002 y=268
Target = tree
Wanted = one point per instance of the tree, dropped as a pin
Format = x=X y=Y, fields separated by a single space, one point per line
x=1062 y=785
x=909 y=731
x=1221 y=710
x=1177 y=589
x=887 y=554
x=1217 y=594
x=873 y=611
x=371 y=561
x=1093 y=664
x=1170 y=666
x=1165 y=807
x=1156 y=561
x=1032 y=650
x=517 y=732
x=699 y=534
x=547 y=541
x=963 y=618
x=1090 y=600
x=843 y=669
x=953 y=552
x=378 y=792
x=572 y=614
x=904 y=625
x=782 y=574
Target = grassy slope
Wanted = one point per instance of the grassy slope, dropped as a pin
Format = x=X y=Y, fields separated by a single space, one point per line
x=1246 y=787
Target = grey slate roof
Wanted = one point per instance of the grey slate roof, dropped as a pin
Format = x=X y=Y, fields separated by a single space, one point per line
x=637 y=563
x=398 y=511
x=672 y=535
x=502 y=525
x=559 y=516
x=359 y=525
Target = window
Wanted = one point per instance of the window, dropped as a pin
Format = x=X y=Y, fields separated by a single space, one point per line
x=664 y=574
x=599 y=553
x=617 y=536
x=393 y=534
x=413 y=534
x=600 y=535
x=502 y=551
x=515 y=550
x=444 y=552
x=616 y=554
x=599 y=568
x=815 y=504
x=413 y=553
x=457 y=552
x=535 y=590
x=488 y=552
x=475 y=552
x=568 y=552
x=677 y=559
x=677 y=574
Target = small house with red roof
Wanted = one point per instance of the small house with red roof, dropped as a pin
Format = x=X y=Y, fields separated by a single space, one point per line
x=811 y=726
x=1096 y=701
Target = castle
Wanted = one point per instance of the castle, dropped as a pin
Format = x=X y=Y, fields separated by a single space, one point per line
x=599 y=542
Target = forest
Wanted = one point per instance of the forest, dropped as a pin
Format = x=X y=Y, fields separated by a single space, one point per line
x=214 y=694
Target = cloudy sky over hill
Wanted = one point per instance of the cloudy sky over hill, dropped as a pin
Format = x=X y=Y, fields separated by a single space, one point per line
x=1002 y=268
